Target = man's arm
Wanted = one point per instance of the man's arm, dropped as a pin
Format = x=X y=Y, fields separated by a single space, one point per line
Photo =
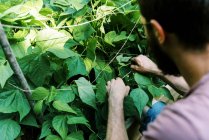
x=145 y=65
x=117 y=91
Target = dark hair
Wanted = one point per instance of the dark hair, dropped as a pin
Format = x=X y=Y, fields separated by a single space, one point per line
x=187 y=19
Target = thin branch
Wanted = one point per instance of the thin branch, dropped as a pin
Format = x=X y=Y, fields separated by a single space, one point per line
x=14 y=65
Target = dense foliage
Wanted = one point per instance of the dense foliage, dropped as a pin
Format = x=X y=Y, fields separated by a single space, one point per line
x=68 y=50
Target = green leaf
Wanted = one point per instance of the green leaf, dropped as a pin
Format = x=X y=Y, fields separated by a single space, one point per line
x=29 y=120
x=60 y=106
x=158 y=92
x=140 y=99
x=129 y=107
x=60 y=125
x=72 y=4
x=89 y=64
x=38 y=107
x=9 y=129
x=14 y=101
x=22 y=11
x=71 y=43
x=121 y=59
x=45 y=129
x=142 y=80
x=92 y=44
x=77 y=120
x=86 y=92
x=101 y=92
x=75 y=66
x=20 y=48
x=38 y=70
x=54 y=41
x=155 y=91
x=112 y=37
x=53 y=137
x=105 y=71
x=167 y=93
x=75 y=136
x=81 y=33
x=65 y=95
x=62 y=53
x=40 y=93
x=27 y=62
x=6 y=72
x=52 y=95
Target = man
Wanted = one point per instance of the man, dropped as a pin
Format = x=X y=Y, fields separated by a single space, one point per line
x=178 y=33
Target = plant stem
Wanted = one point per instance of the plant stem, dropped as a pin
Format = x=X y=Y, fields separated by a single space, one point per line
x=14 y=65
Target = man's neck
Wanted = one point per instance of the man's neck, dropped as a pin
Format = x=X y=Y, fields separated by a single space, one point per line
x=193 y=65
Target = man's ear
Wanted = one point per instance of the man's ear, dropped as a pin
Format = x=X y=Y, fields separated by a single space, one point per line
x=158 y=30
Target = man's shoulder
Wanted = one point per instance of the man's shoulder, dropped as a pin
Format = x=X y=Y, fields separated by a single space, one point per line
x=171 y=124
x=185 y=119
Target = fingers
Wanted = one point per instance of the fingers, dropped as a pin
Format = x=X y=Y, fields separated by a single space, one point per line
x=139 y=69
x=138 y=60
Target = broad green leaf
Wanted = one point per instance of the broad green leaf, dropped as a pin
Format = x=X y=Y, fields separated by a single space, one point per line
x=158 y=92
x=140 y=99
x=71 y=43
x=45 y=129
x=59 y=123
x=52 y=95
x=103 y=71
x=129 y=107
x=9 y=129
x=75 y=136
x=101 y=92
x=77 y=120
x=53 y=41
x=21 y=34
x=155 y=91
x=75 y=66
x=10 y=2
x=92 y=44
x=40 y=93
x=20 y=48
x=167 y=93
x=104 y=10
x=86 y=92
x=89 y=64
x=81 y=33
x=112 y=37
x=142 y=80
x=27 y=62
x=30 y=120
x=38 y=70
x=14 y=101
x=6 y=72
x=53 y=137
x=121 y=60
x=38 y=107
x=62 y=53
x=61 y=106
x=22 y=11
x=72 y=4
x=65 y=95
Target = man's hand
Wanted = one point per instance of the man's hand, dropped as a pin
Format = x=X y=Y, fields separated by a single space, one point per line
x=117 y=90
x=145 y=65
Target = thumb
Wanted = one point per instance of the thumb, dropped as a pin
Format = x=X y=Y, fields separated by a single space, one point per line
x=127 y=90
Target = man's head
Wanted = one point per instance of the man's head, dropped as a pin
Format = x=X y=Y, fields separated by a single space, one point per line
x=172 y=24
